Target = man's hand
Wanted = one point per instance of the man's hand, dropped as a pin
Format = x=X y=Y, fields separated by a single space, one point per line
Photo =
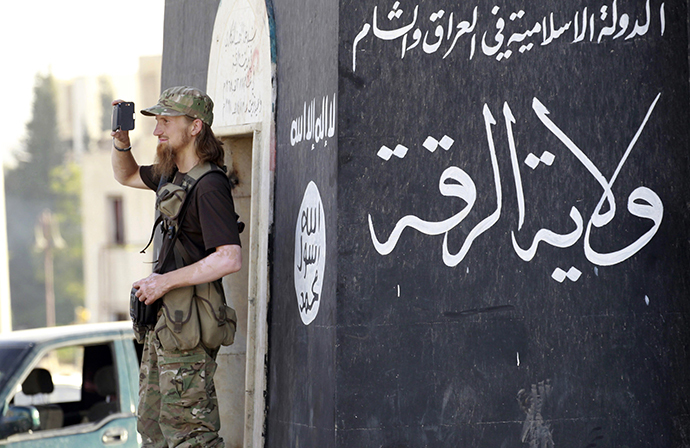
x=151 y=288
x=125 y=168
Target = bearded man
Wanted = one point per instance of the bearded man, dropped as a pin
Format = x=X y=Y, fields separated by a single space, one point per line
x=177 y=404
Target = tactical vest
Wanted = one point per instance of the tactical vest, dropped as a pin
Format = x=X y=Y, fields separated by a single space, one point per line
x=171 y=204
x=191 y=314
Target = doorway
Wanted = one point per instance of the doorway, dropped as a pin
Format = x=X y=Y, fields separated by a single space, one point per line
x=230 y=380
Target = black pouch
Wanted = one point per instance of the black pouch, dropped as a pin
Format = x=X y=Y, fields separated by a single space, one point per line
x=141 y=313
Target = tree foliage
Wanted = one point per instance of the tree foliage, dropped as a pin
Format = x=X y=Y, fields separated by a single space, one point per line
x=43 y=150
x=43 y=180
x=69 y=272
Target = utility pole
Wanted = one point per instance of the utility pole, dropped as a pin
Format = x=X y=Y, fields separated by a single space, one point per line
x=48 y=239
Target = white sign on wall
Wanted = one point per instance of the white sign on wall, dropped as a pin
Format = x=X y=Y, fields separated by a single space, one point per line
x=310 y=254
x=239 y=65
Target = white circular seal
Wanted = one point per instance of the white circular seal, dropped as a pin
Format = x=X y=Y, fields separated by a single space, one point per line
x=310 y=254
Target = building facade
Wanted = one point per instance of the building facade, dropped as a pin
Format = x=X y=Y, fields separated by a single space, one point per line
x=117 y=221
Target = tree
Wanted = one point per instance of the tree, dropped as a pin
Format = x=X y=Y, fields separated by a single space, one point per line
x=43 y=149
x=69 y=270
x=41 y=180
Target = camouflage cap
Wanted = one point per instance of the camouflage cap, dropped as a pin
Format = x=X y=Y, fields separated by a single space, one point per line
x=177 y=101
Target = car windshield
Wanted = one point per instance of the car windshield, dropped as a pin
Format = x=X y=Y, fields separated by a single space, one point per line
x=10 y=357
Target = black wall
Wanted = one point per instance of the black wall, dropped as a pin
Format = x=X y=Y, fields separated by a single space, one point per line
x=488 y=349
x=302 y=380
x=187 y=36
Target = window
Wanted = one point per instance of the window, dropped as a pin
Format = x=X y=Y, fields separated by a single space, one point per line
x=10 y=358
x=62 y=368
x=117 y=220
x=71 y=385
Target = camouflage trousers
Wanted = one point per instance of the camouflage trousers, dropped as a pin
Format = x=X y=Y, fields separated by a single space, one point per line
x=177 y=397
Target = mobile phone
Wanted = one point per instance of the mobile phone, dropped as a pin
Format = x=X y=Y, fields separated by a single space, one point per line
x=123 y=117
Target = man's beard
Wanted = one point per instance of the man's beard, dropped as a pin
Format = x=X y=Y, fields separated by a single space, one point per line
x=166 y=157
x=165 y=160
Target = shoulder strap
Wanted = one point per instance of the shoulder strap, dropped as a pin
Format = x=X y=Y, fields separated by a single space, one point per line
x=200 y=170
x=189 y=181
x=159 y=219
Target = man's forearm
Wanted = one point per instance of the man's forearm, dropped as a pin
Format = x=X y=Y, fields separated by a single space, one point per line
x=225 y=260
x=124 y=165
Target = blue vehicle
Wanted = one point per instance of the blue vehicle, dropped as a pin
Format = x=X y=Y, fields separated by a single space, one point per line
x=70 y=386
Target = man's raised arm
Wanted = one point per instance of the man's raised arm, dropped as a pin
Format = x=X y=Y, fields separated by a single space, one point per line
x=125 y=168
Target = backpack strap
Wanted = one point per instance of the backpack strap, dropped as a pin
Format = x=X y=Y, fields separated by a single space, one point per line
x=189 y=181
x=159 y=219
x=199 y=171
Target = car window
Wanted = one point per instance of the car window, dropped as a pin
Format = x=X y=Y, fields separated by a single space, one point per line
x=71 y=385
x=10 y=357
x=65 y=366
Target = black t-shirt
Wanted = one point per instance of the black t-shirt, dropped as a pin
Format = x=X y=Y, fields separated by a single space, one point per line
x=210 y=220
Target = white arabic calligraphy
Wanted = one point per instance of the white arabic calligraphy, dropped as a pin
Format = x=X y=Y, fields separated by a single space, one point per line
x=543 y=31
x=454 y=182
x=312 y=125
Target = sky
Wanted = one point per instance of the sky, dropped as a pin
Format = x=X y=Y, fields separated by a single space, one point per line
x=70 y=38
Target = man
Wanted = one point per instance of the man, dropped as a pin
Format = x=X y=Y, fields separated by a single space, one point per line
x=177 y=399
